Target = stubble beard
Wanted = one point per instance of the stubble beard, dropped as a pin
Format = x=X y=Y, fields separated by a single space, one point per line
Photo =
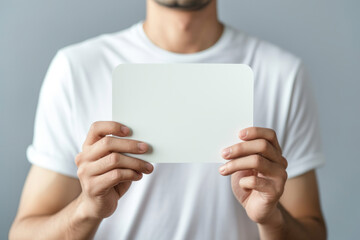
x=190 y=5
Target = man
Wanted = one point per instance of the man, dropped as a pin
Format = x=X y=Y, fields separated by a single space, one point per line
x=108 y=195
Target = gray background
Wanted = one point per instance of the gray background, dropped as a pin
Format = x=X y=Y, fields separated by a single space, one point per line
x=324 y=33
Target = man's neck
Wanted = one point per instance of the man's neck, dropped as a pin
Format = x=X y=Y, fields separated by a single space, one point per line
x=182 y=31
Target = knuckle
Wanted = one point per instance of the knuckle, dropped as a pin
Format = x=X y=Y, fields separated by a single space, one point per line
x=94 y=126
x=80 y=172
x=278 y=188
x=279 y=192
x=273 y=135
x=276 y=192
x=106 y=141
x=116 y=174
x=113 y=159
x=257 y=162
x=78 y=159
x=285 y=162
x=284 y=176
x=263 y=145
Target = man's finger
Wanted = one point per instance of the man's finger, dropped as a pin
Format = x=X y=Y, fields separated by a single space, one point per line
x=117 y=160
x=111 y=144
x=257 y=146
x=112 y=178
x=252 y=162
x=100 y=129
x=258 y=184
x=253 y=133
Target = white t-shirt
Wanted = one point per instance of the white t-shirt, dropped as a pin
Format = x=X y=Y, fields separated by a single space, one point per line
x=176 y=201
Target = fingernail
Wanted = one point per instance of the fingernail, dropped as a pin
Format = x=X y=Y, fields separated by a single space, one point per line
x=124 y=129
x=243 y=133
x=222 y=169
x=148 y=167
x=226 y=152
x=142 y=146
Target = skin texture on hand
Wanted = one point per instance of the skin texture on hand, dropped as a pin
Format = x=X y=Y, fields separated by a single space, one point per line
x=258 y=172
x=105 y=174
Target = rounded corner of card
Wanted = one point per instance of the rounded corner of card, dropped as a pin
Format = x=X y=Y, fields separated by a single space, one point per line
x=118 y=69
x=248 y=71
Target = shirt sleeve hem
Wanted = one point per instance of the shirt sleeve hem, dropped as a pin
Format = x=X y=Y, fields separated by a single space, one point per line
x=50 y=163
x=306 y=164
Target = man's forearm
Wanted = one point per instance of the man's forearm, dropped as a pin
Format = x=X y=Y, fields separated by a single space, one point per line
x=290 y=228
x=68 y=223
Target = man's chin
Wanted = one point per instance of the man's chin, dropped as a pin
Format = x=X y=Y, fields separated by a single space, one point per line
x=191 y=5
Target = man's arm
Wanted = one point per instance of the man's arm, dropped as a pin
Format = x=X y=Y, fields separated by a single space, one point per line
x=300 y=215
x=49 y=208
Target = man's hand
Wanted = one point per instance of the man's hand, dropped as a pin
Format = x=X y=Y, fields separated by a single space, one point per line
x=258 y=173
x=104 y=172
x=56 y=206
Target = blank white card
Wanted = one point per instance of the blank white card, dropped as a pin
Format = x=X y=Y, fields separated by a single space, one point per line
x=185 y=112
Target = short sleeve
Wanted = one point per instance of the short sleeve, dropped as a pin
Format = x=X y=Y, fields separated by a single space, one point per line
x=54 y=145
x=302 y=144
